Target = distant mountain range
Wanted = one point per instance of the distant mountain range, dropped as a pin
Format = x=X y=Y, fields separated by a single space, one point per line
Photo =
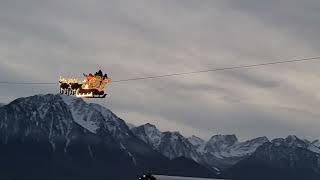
x=61 y=137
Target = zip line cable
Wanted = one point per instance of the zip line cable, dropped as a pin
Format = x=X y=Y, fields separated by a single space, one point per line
x=220 y=69
x=184 y=73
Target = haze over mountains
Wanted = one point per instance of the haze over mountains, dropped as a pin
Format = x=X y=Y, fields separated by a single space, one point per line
x=64 y=137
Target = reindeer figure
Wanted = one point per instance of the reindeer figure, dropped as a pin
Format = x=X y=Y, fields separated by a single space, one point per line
x=74 y=87
x=64 y=86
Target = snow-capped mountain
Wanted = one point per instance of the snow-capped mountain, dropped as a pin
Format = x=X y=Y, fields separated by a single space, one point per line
x=94 y=117
x=286 y=159
x=220 y=151
x=170 y=144
x=197 y=142
x=225 y=146
x=43 y=136
x=219 y=145
x=149 y=134
x=294 y=141
x=173 y=145
x=67 y=138
x=76 y=140
x=225 y=150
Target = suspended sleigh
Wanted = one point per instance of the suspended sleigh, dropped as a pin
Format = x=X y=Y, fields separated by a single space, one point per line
x=92 y=86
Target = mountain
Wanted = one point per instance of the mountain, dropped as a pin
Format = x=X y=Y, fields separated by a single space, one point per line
x=197 y=142
x=2 y=104
x=149 y=134
x=170 y=144
x=316 y=143
x=130 y=125
x=225 y=150
x=281 y=159
x=39 y=139
x=221 y=151
x=61 y=137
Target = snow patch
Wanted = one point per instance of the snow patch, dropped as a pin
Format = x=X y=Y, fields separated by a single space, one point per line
x=316 y=143
x=81 y=114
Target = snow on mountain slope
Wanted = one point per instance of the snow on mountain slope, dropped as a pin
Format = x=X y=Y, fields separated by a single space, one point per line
x=149 y=134
x=226 y=146
x=220 y=145
x=288 y=158
x=225 y=150
x=67 y=125
x=83 y=114
x=293 y=141
x=94 y=116
x=115 y=125
x=248 y=147
x=316 y=143
x=55 y=115
x=220 y=150
x=40 y=116
x=170 y=144
x=174 y=145
x=197 y=142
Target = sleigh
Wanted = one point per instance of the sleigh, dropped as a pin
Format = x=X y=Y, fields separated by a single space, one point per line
x=92 y=86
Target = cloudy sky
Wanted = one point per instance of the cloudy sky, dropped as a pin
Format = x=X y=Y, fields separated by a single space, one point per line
x=43 y=39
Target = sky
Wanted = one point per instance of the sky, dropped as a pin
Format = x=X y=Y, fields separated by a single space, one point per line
x=41 y=40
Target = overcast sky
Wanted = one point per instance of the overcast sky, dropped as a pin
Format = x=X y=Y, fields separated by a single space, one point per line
x=43 y=39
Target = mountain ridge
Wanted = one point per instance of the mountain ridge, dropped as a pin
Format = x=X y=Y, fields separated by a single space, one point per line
x=74 y=134
x=66 y=133
x=281 y=159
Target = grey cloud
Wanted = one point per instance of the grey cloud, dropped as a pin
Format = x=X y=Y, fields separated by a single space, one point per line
x=41 y=40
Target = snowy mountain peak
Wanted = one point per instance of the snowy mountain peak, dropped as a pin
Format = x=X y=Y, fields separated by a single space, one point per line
x=39 y=110
x=295 y=142
x=94 y=116
x=248 y=147
x=115 y=125
x=149 y=134
x=82 y=113
x=228 y=139
x=150 y=127
x=170 y=144
x=292 y=138
x=258 y=140
x=69 y=99
x=196 y=141
x=220 y=142
x=174 y=145
x=34 y=114
x=225 y=150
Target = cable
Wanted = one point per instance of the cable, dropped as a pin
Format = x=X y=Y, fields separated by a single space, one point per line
x=185 y=73
x=220 y=69
x=21 y=83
